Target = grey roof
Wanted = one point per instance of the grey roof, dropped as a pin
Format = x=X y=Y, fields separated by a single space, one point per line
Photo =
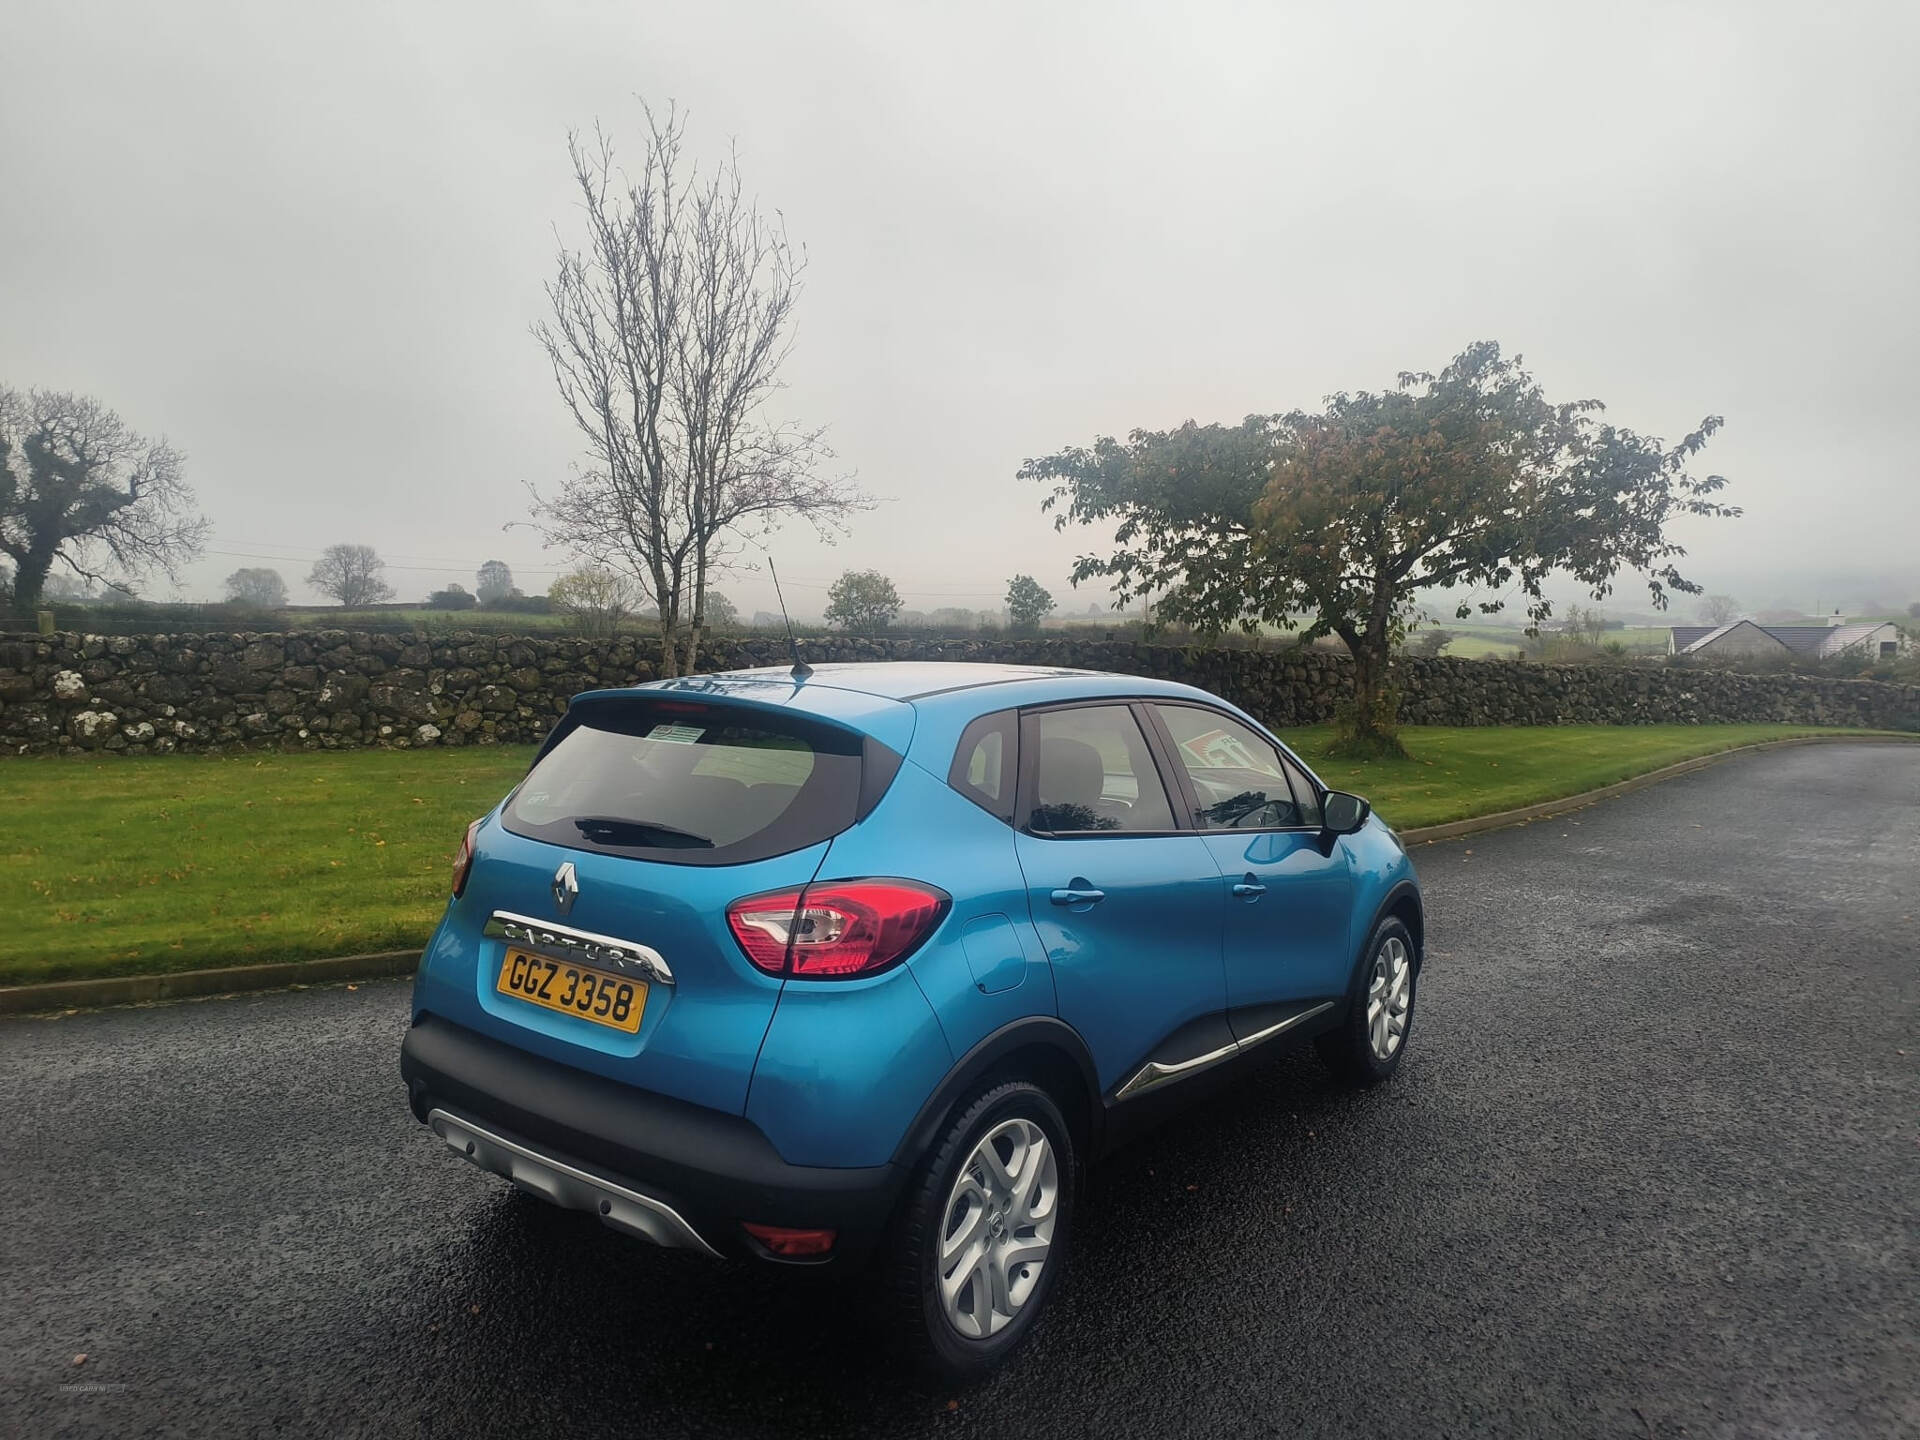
x=1712 y=636
x=1801 y=639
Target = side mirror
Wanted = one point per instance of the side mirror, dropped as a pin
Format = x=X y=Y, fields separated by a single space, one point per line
x=1341 y=813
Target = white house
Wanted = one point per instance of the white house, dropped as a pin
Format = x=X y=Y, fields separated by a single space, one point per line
x=1750 y=640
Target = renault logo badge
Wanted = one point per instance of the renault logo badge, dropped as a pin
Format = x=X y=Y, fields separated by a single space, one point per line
x=566 y=886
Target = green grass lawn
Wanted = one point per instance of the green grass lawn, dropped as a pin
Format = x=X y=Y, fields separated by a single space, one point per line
x=1484 y=645
x=1457 y=773
x=123 y=866
x=423 y=617
x=1497 y=642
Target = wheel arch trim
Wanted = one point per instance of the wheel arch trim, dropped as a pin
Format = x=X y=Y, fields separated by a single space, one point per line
x=1030 y=1032
x=1403 y=893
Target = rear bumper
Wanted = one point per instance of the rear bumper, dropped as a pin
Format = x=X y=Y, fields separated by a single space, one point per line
x=678 y=1174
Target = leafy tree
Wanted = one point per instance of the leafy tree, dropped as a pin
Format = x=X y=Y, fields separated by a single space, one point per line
x=493 y=582
x=1469 y=478
x=454 y=597
x=666 y=340
x=351 y=575
x=1028 y=602
x=1720 y=609
x=862 y=601
x=258 y=587
x=1913 y=611
x=595 y=600
x=78 y=485
x=722 y=613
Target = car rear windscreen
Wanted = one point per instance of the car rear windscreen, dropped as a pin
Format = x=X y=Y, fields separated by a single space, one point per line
x=701 y=784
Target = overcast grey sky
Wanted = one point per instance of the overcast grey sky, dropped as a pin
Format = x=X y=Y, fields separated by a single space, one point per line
x=306 y=242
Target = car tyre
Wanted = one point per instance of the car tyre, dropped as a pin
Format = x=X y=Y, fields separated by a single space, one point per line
x=1369 y=1044
x=982 y=1235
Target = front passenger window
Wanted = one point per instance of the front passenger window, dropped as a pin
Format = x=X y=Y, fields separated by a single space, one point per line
x=1239 y=779
x=1093 y=773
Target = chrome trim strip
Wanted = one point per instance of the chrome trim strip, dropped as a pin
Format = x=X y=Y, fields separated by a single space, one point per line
x=1156 y=1073
x=1286 y=1024
x=560 y=1184
x=579 y=944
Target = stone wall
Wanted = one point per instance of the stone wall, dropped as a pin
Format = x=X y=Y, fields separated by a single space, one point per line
x=331 y=688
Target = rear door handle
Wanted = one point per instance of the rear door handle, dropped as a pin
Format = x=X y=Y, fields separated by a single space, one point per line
x=1078 y=897
x=1249 y=889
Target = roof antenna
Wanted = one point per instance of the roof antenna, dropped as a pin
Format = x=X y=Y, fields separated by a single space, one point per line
x=800 y=667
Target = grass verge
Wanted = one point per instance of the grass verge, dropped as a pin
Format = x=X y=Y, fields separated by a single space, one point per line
x=138 y=866
x=1456 y=773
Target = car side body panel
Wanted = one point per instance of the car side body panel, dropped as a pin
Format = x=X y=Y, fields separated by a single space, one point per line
x=847 y=1064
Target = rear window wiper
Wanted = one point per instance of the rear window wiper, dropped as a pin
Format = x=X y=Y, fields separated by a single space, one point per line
x=607 y=830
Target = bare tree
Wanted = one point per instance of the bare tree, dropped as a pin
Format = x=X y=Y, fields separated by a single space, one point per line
x=666 y=340
x=351 y=575
x=1720 y=609
x=77 y=484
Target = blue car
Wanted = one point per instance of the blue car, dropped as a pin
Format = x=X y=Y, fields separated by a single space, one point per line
x=866 y=963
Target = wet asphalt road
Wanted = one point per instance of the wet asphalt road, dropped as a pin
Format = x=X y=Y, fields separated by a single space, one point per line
x=1652 y=1168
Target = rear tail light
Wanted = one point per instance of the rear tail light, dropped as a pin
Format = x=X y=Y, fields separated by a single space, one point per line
x=836 y=930
x=463 y=861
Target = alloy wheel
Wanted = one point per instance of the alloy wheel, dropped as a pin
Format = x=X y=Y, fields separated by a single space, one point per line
x=1389 y=997
x=997 y=1228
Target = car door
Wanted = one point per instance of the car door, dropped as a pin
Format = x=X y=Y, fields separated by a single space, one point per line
x=1124 y=894
x=1285 y=940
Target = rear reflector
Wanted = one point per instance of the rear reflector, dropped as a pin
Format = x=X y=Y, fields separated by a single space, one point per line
x=838 y=929
x=791 y=1244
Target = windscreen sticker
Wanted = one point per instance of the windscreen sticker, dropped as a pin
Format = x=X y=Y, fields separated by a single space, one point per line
x=1220 y=749
x=676 y=734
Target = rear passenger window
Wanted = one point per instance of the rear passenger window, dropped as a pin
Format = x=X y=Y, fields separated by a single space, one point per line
x=983 y=769
x=1093 y=773
x=1239 y=778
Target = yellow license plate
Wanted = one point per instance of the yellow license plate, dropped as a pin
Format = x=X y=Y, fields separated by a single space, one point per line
x=597 y=995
